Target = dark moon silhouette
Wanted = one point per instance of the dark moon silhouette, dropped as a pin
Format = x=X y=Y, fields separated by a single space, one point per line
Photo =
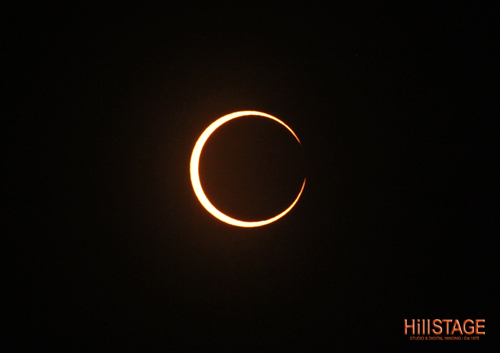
x=252 y=168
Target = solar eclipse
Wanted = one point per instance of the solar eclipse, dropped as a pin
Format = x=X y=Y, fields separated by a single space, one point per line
x=195 y=176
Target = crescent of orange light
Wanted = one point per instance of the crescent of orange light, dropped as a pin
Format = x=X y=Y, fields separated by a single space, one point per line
x=195 y=176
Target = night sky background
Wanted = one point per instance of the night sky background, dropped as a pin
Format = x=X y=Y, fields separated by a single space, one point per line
x=108 y=247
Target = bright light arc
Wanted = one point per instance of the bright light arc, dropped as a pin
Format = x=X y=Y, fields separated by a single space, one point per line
x=195 y=176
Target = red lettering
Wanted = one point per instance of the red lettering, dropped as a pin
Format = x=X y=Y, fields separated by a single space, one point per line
x=412 y=326
x=479 y=326
x=465 y=327
x=456 y=327
x=437 y=326
x=447 y=325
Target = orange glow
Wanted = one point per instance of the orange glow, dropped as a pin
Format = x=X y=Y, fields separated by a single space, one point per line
x=195 y=176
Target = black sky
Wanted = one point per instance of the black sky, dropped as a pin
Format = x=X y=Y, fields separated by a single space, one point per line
x=111 y=251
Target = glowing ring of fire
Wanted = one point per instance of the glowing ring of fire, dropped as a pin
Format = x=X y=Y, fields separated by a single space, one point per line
x=195 y=176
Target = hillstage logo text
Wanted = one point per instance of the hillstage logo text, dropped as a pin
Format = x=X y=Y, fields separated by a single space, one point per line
x=434 y=330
